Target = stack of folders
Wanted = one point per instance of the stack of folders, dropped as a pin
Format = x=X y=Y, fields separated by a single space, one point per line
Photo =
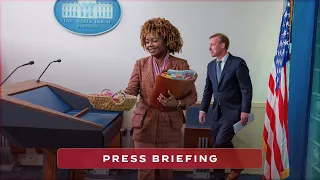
x=178 y=82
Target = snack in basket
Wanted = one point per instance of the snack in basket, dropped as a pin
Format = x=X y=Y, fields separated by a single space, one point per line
x=109 y=93
x=109 y=101
x=178 y=82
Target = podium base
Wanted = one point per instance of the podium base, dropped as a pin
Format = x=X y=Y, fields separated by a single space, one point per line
x=200 y=175
x=196 y=137
x=8 y=167
x=8 y=162
x=51 y=171
x=31 y=158
x=102 y=174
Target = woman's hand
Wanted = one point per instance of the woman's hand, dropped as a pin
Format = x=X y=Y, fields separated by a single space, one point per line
x=168 y=102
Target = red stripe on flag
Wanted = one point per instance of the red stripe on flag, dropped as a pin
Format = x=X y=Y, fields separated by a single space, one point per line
x=285 y=107
x=268 y=153
x=268 y=156
x=271 y=84
x=277 y=152
x=275 y=146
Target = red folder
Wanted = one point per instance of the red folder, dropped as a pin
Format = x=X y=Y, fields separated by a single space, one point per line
x=179 y=88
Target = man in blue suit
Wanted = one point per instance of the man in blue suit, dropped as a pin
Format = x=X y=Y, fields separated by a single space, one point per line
x=228 y=80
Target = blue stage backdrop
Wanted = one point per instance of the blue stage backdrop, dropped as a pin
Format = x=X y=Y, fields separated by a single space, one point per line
x=313 y=156
x=303 y=39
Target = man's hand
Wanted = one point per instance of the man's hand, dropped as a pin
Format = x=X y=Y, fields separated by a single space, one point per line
x=244 y=118
x=202 y=117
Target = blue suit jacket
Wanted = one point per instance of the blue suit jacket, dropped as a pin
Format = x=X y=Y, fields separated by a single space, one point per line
x=233 y=92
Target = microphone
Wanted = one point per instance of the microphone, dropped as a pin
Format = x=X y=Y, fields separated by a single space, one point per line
x=29 y=63
x=59 y=60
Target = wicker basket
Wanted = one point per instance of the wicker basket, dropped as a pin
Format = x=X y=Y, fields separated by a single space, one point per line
x=116 y=102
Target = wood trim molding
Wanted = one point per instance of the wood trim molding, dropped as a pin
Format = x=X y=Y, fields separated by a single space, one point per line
x=255 y=104
x=258 y=104
x=81 y=113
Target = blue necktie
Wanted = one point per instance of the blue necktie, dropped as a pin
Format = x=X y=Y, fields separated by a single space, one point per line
x=218 y=70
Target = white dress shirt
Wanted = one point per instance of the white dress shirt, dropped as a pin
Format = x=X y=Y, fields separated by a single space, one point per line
x=224 y=60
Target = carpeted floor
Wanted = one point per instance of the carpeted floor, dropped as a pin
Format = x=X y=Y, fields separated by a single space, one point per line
x=35 y=173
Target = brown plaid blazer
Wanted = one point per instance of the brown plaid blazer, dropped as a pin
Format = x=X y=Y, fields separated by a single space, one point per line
x=151 y=125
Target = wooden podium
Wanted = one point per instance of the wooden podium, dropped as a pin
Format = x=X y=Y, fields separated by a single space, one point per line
x=47 y=116
x=196 y=134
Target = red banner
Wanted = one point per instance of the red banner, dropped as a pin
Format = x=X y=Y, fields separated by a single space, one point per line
x=182 y=158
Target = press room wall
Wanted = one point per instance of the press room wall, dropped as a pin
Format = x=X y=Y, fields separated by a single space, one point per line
x=90 y=64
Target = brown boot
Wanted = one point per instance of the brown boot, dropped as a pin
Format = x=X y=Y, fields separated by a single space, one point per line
x=234 y=174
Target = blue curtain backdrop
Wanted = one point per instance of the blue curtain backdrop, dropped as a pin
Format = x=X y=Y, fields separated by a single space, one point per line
x=313 y=155
x=304 y=23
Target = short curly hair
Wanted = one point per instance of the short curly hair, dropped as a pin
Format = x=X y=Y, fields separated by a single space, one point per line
x=164 y=29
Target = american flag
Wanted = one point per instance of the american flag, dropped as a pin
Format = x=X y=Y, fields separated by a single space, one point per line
x=275 y=132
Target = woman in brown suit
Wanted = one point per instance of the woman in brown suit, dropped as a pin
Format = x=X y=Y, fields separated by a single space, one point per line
x=154 y=128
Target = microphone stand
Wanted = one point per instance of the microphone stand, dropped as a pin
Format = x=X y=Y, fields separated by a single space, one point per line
x=30 y=63
x=59 y=60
